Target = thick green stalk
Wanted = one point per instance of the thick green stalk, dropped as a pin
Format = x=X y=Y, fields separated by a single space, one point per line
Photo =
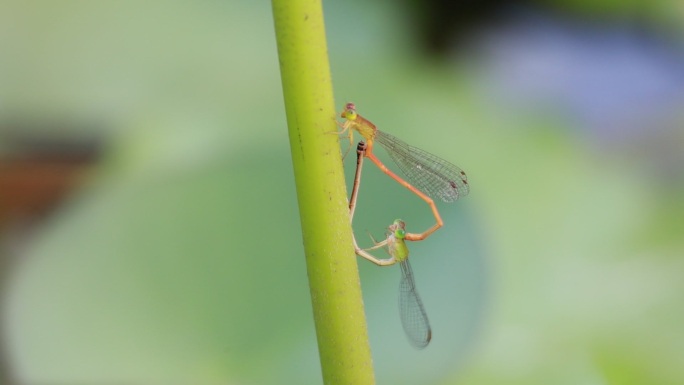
x=332 y=268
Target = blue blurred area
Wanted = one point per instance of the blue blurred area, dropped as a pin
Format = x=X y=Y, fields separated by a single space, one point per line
x=172 y=252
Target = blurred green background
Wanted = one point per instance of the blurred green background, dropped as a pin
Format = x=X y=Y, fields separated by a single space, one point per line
x=150 y=232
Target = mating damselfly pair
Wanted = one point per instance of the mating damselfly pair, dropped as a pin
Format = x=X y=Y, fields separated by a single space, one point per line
x=434 y=177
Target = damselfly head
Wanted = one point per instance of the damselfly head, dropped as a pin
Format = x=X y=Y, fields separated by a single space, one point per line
x=398 y=224
x=349 y=112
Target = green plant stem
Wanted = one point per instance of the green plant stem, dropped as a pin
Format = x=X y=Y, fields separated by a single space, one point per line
x=331 y=264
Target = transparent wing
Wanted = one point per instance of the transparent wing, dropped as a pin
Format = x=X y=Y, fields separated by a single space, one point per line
x=433 y=175
x=413 y=316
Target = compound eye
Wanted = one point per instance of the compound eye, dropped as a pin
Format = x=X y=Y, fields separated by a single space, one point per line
x=350 y=114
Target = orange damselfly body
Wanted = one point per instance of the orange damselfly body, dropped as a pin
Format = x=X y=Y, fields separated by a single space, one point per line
x=433 y=176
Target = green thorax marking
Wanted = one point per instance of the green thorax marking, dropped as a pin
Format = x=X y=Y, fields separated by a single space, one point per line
x=396 y=245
